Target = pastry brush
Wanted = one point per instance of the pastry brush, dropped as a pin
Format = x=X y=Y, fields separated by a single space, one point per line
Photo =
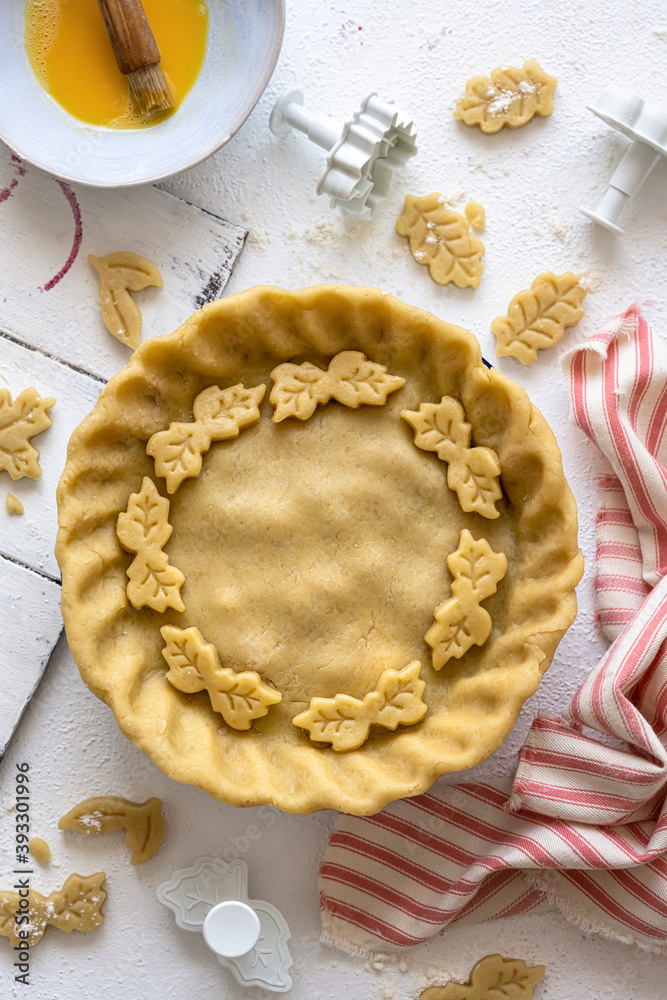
x=137 y=54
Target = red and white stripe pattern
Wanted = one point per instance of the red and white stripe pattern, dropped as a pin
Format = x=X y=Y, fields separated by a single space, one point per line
x=583 y=825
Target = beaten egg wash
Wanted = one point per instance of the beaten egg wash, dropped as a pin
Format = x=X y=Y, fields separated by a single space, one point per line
x=70 y=52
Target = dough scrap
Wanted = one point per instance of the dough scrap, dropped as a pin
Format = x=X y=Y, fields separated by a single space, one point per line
x=460 y=621
x=475 y=215
x=510 y=96
x=440 y=239
x=345 y=722
x=14 y=505
x=39 y=849
x=144 y=529
x=19 y=422
x=121 y=273
x=219 y=414
x=491 y=978
x=351 y=379
x=537 y=317
x=473 y=472
x=194 y=666
x=142 y=821
x=75 y=907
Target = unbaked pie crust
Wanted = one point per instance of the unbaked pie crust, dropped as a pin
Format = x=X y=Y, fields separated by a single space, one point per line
x=315 y=551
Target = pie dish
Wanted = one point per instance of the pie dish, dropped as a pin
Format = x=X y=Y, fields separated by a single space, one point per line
x=307 y=553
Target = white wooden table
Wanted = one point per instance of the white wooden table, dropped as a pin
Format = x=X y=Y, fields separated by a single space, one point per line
x=531 y=183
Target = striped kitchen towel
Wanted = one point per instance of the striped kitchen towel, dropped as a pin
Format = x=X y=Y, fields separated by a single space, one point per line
x=583 y=824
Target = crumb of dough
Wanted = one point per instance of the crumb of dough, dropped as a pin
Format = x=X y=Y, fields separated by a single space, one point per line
x=475 y=215
x=14 y=505
x=39 y=849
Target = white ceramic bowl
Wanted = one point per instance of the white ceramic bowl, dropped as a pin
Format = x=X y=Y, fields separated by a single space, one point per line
x=244 y=41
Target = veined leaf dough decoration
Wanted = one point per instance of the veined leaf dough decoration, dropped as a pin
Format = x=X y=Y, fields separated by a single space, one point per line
x=142 y=821
x=537 y=318
x=121 y=273
x=19 y=422
x=350 y=378
x=472 y=472
x=461 y=622
x=510 y=96
x=75 y=907
x=493 y=978
x=144 y=529
x=345 y=721
x=194 y=666
x=219 y=414
x=440 y=239
x=475 y=215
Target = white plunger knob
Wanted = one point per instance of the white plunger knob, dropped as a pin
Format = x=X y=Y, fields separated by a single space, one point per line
x=646 y=125
x=231 y=929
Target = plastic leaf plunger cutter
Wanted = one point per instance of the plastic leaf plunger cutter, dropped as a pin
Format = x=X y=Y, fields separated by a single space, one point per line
x=363 y=153
x=248 y=936
x=646 y=125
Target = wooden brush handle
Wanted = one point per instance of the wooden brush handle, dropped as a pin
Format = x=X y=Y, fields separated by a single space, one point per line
x=133 y=43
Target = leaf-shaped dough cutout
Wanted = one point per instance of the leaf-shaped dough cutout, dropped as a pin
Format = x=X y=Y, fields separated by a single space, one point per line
x=473 y=476
x=473 y=472
x=345 y=721
x=121 y=273
x=19 y=422
x=401 y=692
x=144 y=529
x=75 y=907
x=493 y=978
x=510 y=97
x=350 y=379
x=440 y=427
x=219 y=414
x=142 y=821
x=440 y=239
x=460 y=622
x=194 y=666
x=297 y=390
x=537 y=317
x=354 y=380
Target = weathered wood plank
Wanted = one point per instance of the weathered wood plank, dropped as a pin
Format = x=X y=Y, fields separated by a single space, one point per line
x=29 y=629
x=48 y=290
x=30 y=537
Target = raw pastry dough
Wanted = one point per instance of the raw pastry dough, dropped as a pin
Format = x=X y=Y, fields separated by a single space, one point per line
x=473 y=472
x=219 y=414
x=460 y=621
x=14 y=505
x=510 y=97
x=142 y=821
x=39 y=849
x=440 y=239
x=75 y=907
x=313 y=551
x=350 y=379
x=121 y=273
x=475 y=215
x=194 y=666
x=144 y=529
x=493 y=977
x=537 y=318
x=345 y=722
x=19 y=422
